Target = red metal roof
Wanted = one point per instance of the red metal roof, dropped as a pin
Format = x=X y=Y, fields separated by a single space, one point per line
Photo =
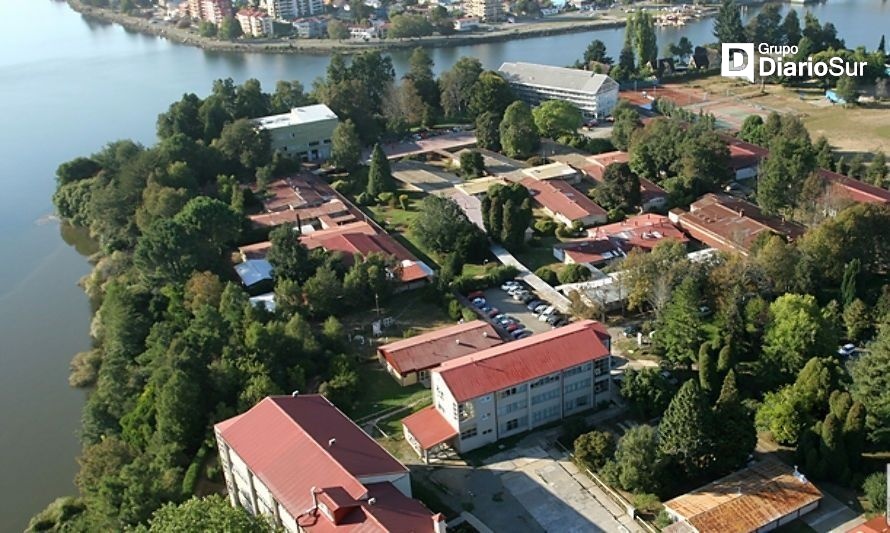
x=877 y=524
x=296 y=443
x=740 y=157
x=856 y=190
x=560 y=197
x=515 y=362
x=429 y=427
x=599 y=162
x=433 y=348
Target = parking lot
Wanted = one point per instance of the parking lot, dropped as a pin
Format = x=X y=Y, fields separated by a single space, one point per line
x=507 y=305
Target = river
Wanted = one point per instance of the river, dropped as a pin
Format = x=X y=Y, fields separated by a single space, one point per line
x=69 y=86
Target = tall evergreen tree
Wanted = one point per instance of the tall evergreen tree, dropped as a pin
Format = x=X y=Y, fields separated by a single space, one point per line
x=684 y=432
x=379 y=175
x=519 y=136
x=791 y=28
x=736 y=437
x=728 y=24
x=679 y=331
x=488 y=133
x=346 y=148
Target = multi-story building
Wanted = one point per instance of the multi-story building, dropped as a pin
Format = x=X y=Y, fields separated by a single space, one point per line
x=210 y=10
x=514 y=387
x=487 y=10
x=255 y=23
x=304 y=133
x=292 y=9
x=594 y=94
x=310 y=27
x=303 y=463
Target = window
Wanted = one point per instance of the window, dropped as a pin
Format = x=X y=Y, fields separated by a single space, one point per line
x=544 y=396
x=313 y=143
x=512 y=424
x=486 y=416
x=486 y=432
x=581 y=401
x=545 y=414
x=466 y=411
x=545 y=381
x=468 y=433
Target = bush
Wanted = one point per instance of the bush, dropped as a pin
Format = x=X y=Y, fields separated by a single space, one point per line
x=875 y=489
x=468 y=314
x=647 y=502
x=593 y=449
x=363 y=198
x=548 y=275
x=545 y=226
x=404 y=202
x=573 y=273
x=495 y=276
x=387 y=198
x=341 y=186
x=455 y=309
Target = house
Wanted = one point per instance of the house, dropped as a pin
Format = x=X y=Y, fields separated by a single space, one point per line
x=255 y=23
x=761 y=497
x=564 y=203
x=505 y=390
x=466 y=24
x=363 y=239
x=652 y=197
x=612 y=241
x=878 y=524
x=552 y=171
x=300 y=461
x=731 y=224
x=305 y=200
x=410 y=360
x=487 y=10
x=304 y=133
x=310 y=27
x=744 y=157
x=363 y=32
x=594 y=94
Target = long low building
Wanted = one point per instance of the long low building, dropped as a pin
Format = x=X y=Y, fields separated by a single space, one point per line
x=564 y=203
x=300 y=461
x=511 y=388
x=594 y=94
x=761 y=497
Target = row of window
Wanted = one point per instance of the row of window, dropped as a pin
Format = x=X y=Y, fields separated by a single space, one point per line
x=544 y=396
x=544 y=381
x=515 y=423
x=578 y=385
x=578 y=369
x=506 y=393
x=512 y=407
x=577 y=403
x=545 y=414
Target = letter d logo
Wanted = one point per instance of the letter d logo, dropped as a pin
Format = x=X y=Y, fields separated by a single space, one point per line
x=737 y=61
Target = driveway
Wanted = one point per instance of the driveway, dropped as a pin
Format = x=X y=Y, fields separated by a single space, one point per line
x=423 y=177
x=448 y=141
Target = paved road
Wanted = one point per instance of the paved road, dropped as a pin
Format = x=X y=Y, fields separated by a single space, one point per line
x=448 y=141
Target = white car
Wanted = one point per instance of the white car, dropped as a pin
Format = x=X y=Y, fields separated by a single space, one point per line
x=508 y=285
x=847 y=350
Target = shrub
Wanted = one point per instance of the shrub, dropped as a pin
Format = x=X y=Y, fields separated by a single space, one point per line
x=647 y=502
x=468 y=314
x=404 y=202
x=594 y=449
x=548 y=275
x=455 y=309
x=545 y=226
x=387 y=198
x=875 y=489
x=573 y=273
x=363 y=198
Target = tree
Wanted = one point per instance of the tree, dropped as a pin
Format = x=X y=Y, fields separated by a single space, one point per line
x=752 y=130
x=337 y=30
x=790 y=29
x=472 y=165
x=728 y=24
x=620 y=188
x=679 y=331
x=210 y=513
x=707 y=371
x=244 y=146
x=647 y=391
x=649 y=278
x=876 y=174
x=573 y=273
x=443 y=227
x=491 y=93
x=846 y=90
x=229 y=29
x=684 y=432
x=288 y=95
x=182 y=117
x=346 y=148
x=457 y=86
x=640 y=33
x=507 y=213
x=207 y=29
x=165 y=251
x=848 y=284
x=782 y=174
x=407 y=25
x=875 y=489
x=765 y=27
x=796 y=332
x=627 y=121
x=554 y=118
x=519 y=138
x=596 y=52
x=288 y=256
x=871 y=386
x=488 y=134
x=737 y=436
x=379 y=175
x=214 y=116
x=324 y=292
x=824 y=157
x=636 y=467
x=547 y=275
x=593 y=449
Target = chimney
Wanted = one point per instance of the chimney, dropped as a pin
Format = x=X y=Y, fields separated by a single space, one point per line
x=331 y=442
x=439 y=523
x=485 y=334
x=314 y=492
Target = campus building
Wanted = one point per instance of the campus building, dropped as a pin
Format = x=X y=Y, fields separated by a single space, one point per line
x=564 y=203
x=594 y=94
x=304 y=133
x=762 y=497
x=210 y=10
x=613 y=241
x=300 y=461
x=511 y=388
x=594 y=167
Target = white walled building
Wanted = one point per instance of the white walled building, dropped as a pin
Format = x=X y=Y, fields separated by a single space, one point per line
x=255 y=23
x=292 y=9
x=304 y=133
x=594 y=94
x=515 y=387
x=302 y=462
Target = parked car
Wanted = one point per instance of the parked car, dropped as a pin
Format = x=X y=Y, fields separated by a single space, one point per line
x=493 y=312
x=705 y=311
x=560 y=323
x=630 y=331
x=516 y=288
x=527 y=298
x=508 y=284
x=554 y=318
x=846 y=350
x=485 y=309
x=532 y=305
x=518 y=296
x=513 y=327
x=540 y=308
x=479 y=302
x=520 y=334
x=505 y=319
x=476 y=294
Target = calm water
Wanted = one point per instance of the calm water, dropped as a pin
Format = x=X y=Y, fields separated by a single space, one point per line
x=68 y=86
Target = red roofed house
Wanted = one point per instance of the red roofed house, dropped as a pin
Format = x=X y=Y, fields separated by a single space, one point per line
x=617 y=240
x=651 y=195
x=564 y=203
x=306 y=200
x=511 y=388
x=730 y=224
x=410 y=360
x=302 y=462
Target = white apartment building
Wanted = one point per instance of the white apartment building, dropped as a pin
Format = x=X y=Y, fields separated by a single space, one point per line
x=515 y=387
x=594 y=94
x=487 y=10
x=300 y=461
x=304 y=133
x=292 y=9
x=255 y=23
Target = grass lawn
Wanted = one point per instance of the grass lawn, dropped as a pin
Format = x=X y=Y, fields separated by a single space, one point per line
x=539 y=254
x=397 y=221
x=378 y=391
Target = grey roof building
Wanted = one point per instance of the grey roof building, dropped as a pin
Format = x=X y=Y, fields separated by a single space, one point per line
x=595 y=94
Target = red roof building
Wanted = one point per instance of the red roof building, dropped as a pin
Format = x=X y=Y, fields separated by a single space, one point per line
x=612 y=241
x=878 y=524
x=306 y=200
x=410 y=360
x=564 y=203
x=513 y=387
x=840 y=188
x=730 y=224
x=303 y=463
x=594 y=167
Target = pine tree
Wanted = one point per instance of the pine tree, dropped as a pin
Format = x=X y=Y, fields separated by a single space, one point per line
x=824 y=157
x=724 y=359
x=848 y=284
x=684 y=430
x=707 y=373
x=679 y=331
x=379 y=176
x=728 y=24
x=736 y=437
x=346 y=148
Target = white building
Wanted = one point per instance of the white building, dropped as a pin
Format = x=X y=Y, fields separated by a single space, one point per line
x=304 y=133
x=594 y=94
x=255 y=23
x=300 y=461
x=291 y=9
x=487 y=10
x=514 y=387
x=466 y=24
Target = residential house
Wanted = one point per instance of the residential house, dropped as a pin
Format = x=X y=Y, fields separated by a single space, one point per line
x=304 y=133
x=255 y=23
x=300 y=461
x=364 y=33
x=762 y=497
x=564 y=203
x=731 y=224
x=594 y=94
x=613 y=241
x=305 y=200
x=410 y=360
x=505 y=390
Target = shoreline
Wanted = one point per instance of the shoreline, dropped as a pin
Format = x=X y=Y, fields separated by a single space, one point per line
x=327 y=46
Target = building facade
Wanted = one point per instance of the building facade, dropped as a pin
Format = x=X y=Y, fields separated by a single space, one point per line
x=210 y=10
x=516 y=387
x=594 y=94
x=292 y=9
x=255 y=23
x=310 y=28
x=304 y=133
x=487 y=10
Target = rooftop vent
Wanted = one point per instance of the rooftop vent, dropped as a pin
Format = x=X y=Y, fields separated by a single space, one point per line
x=372 y=501
x=331 y=442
